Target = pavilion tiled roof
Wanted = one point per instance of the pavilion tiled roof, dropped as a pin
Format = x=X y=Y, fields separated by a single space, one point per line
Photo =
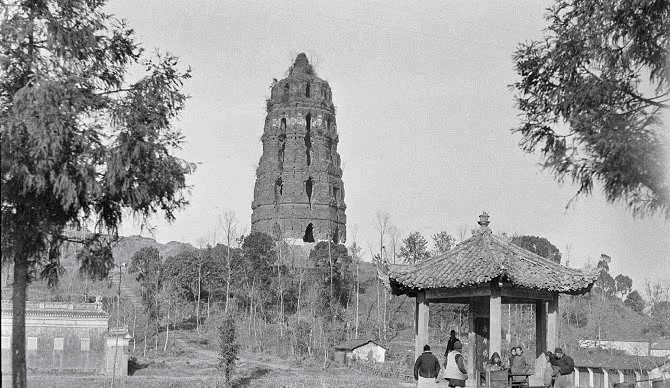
x=484 y=257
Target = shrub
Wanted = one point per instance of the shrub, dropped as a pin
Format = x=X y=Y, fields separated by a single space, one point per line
x=228 y=348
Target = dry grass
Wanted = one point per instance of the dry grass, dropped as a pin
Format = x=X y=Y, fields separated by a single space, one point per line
x=252 y=373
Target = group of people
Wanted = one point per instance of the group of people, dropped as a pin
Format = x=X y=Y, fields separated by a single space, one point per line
x=517 y=364
x=427 y=366
x=550 y=368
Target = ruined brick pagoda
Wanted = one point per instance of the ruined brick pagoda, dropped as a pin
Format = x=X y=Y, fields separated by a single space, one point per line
x=299 y=194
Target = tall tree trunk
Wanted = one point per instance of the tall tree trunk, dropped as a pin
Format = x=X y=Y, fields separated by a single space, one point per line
x=384 y=321
x=146 y=331
x=357 y=297
x=157 y=315
x=281 y=306
x=19 y=378
x=86 y=289
x=156 y=339
x=225 y=310
x=251 y=304
x=379 y=326
x=197 y=307
x=174 y=323
x=167 y=327
x=209 y=296
x=134 y=322
x=381 y=259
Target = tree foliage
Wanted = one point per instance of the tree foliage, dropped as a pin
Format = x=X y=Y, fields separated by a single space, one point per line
x=593 y=92
x=660 y=319
x=414 y=248
x=259 y=258
x=442 y=243
x=80 y=144
x=635 y=302
x=342 y=278
x=95 y=259
x=146 y=265
x=538 y=245
x=624 y=284
x=259 y=255
x=606 y=283
x=183 y=270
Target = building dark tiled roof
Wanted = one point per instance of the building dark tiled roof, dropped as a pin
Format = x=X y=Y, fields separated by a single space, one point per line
x=55 y=309
x=661 y=344
x=620 y=362
x=484 y=257
x=354 y=344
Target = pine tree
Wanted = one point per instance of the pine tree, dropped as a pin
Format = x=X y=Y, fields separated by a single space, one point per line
x=81 y=145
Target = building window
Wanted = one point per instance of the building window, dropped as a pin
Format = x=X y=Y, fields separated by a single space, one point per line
x=6 y=343
x=309 y=234
x=32 y=343
x=58 y=343
x=308 y=189
x=85 y=344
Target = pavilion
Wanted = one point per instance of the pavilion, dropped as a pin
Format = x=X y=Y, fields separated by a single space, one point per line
x=484 y=272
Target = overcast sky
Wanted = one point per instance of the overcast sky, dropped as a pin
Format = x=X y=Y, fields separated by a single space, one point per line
x=424 y=114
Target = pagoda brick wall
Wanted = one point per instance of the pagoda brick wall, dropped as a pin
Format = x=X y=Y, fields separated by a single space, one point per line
x=299 y=178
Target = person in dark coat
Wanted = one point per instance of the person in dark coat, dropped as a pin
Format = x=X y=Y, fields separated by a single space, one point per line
x=426 y=368
x=566 y=366
x=512 y=355
x=495 y=363
x=519 y=366
x=451 y=342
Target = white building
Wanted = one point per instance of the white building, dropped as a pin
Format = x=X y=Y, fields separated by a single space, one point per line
x=366 y=350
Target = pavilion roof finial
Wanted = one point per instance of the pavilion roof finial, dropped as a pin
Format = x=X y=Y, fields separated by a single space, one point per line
x=484 y=219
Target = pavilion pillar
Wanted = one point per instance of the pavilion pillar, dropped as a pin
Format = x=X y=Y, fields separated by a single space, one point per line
x=495 y=320
x=541 y=328
x=552 y=323
x=421 y=316
x=472 y=380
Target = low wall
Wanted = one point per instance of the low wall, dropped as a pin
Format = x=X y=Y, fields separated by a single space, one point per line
x=62 y=338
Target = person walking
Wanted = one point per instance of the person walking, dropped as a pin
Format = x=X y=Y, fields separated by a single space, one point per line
x=426 y=369
x=566 y=367
x=454 y=370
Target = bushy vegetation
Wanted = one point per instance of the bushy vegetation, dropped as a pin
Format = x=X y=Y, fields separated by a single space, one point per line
x=228 y=347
